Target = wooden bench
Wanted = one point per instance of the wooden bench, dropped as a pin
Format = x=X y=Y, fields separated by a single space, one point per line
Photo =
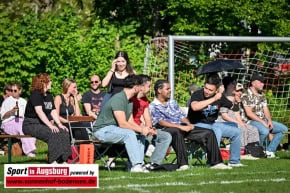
x=10 y=137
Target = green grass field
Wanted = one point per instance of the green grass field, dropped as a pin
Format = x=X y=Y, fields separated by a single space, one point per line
x=263 y=176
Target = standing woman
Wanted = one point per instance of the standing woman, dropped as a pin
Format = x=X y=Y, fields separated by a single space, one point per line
x=114 y=80
x=42 y=121
x=66 y=104
x=12 y=115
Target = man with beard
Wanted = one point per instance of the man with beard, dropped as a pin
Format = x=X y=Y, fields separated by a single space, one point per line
x=115 y=123
x=142 y=116
x=258 y=114
x=168 y=116
x=92 y=100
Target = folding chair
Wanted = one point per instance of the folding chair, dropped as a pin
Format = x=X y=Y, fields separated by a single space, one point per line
x=194 y=151
x=101 y=149
x=76 y=143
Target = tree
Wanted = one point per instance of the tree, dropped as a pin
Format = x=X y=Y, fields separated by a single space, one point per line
x=59 y=45
x=211 y=17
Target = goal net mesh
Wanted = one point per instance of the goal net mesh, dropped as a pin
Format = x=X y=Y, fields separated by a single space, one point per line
x=270 y=59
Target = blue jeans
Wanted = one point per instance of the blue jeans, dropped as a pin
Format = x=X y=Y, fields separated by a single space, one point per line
x=162 y=142
x=114 y=134
x=230 y=130
x=277 y=130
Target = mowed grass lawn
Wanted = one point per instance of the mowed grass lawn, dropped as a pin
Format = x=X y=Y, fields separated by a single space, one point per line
x=263 y=176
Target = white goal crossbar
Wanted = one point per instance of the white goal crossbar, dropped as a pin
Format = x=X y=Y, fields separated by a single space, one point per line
x=172 y=39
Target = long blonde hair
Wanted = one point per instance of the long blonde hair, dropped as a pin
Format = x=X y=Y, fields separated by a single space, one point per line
x=65 y=85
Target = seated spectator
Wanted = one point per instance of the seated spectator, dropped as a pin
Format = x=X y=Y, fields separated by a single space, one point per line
x=141 y=115
x=12 y=115
x=115 y=123
x=258 y=114
x=67 y=104
x=191 y=89
x=42 y=121
x=233 y=92
x=168 y=116
x=204 y=110
x=92 y=100
x=6 y=93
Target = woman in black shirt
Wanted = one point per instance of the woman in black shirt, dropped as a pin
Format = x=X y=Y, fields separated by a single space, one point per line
x=42 y=121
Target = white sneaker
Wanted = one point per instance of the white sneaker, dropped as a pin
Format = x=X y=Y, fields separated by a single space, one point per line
x=221 y=166
x=139 y=168
x=270 y=154
x=236 y=165
x=248 y=157
x=54 y=162
x=31 y=155
x=182 y=168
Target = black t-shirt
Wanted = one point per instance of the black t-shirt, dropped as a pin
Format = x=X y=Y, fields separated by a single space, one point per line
x=38 y=99
x=94 y=99
x=210 y=113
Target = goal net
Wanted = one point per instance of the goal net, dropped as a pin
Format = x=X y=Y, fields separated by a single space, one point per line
x=272 y=59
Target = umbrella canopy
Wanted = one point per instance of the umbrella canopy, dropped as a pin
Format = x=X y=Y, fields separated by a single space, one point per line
x=219 y=66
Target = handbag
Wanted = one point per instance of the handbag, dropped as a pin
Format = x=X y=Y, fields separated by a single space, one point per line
x=255 y=150
x=16 y=149
x=74 y=155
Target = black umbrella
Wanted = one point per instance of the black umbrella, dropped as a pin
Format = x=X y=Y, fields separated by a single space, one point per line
x=219 y=66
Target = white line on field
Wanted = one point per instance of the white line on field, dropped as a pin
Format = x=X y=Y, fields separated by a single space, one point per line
x=138 y=187
x=169 y=174
x=130 y=186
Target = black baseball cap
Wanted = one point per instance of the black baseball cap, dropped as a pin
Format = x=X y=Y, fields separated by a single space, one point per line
x=258 y=76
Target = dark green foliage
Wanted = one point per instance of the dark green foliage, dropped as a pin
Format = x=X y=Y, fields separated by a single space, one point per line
x=58 y=45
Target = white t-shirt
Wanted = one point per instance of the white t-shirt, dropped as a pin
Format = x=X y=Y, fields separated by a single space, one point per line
x=9 y=103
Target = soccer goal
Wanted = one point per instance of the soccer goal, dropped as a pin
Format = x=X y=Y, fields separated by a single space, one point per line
x=177 y=58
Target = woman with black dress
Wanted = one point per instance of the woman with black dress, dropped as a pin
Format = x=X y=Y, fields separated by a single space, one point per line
x=42 y=121
x=67 y=104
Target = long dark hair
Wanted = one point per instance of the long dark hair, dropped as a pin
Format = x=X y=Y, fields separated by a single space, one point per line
x=124 y=54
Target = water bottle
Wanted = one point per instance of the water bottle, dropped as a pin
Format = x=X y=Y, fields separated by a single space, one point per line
x=17 y=113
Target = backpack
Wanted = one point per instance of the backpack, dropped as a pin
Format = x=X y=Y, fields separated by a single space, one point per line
x=166 y=167
x=255 y=150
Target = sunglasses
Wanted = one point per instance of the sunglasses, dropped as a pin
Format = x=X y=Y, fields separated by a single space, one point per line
x=92 y=82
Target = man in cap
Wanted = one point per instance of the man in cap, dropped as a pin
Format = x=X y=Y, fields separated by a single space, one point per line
x=258 y=114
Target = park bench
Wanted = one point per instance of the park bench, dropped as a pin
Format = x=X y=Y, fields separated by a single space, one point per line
x=10 y=138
